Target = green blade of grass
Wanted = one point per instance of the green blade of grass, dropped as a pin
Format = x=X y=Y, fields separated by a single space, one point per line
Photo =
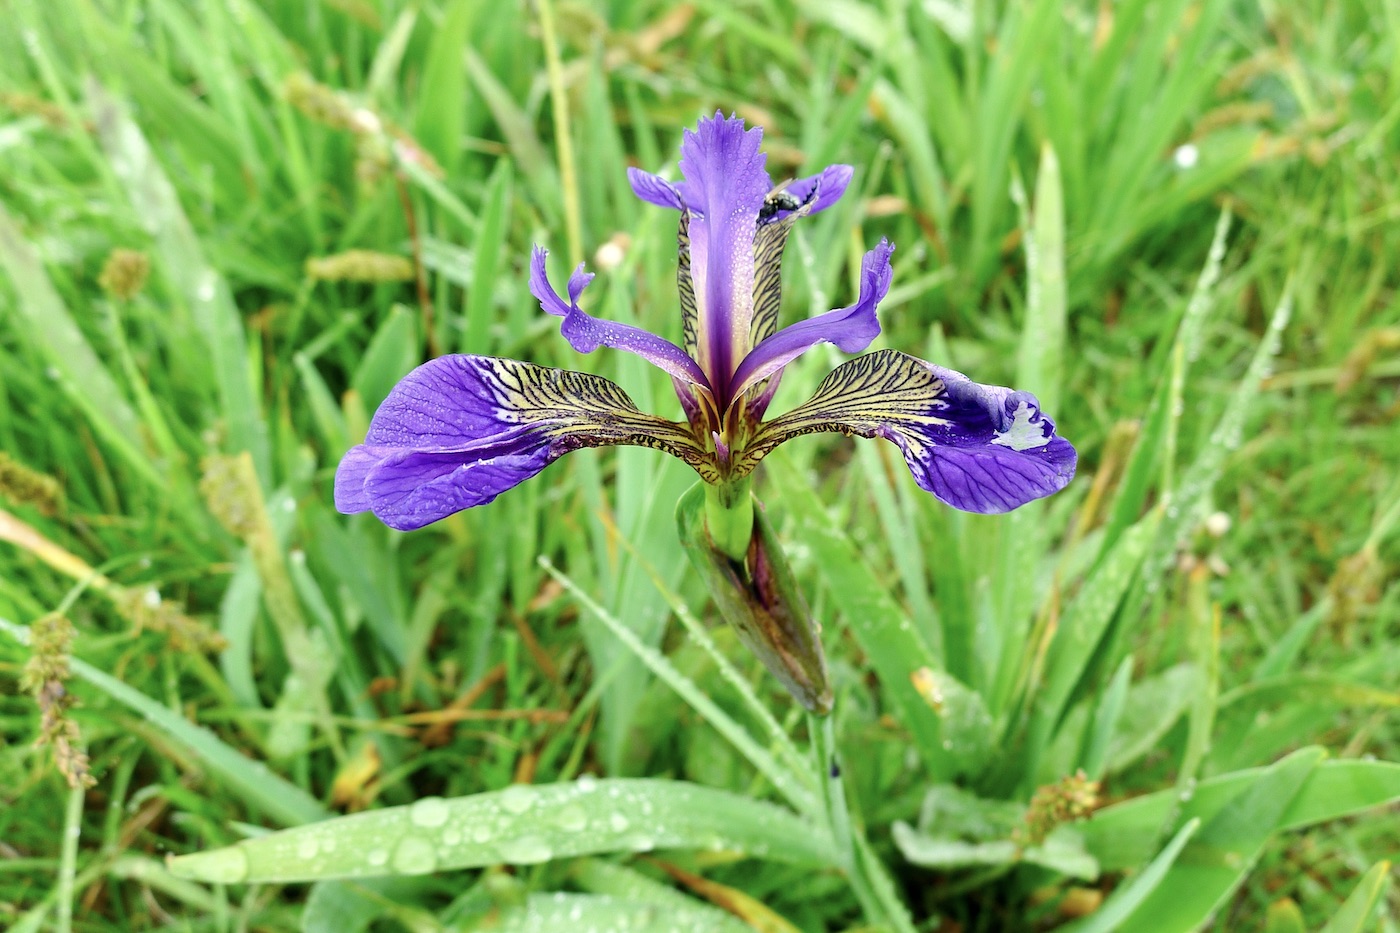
x=563 y=911
x=442 y=96
x=1217 y=860
x=1127 y=898
x=788 y=784
x=83 y=376
x=178 y=250
x=520 y=825
x=1360 y=906
x=1120 y=836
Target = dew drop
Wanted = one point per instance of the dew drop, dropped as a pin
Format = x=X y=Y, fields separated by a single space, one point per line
x=642 y=843
x=414 y=856
x=451 y=836
x=525 y=850
x=618 y=822
x=207 y=284
x=428 y=812
x=221 y=866
x=377 y=857
x=587 y=784
x=481 y=833
x=571 y=818
x=517 y=798
x=308 y=849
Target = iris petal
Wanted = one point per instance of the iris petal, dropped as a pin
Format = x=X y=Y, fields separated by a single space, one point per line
x=820 y=191
x=851 y=329
x=460 y=430
x=587 y=333
x=976 y=447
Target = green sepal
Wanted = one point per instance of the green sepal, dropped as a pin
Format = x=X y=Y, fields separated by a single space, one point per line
x=759 y=597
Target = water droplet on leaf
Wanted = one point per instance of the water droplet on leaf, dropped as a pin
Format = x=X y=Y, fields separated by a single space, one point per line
x=571 y=818
x=428 y=812
x=517 y=798
x=525 y=850
x=221 y=866
x=414 y=856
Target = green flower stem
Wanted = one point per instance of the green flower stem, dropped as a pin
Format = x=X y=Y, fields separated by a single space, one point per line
x=866 y=873
x=68 y=859
x=729 y=517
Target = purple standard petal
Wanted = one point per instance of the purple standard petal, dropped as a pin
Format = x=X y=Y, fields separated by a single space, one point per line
x=819 y=191
x=851 y=329
x=587 y=333
x=978 y=448
x=654 y=189
x=724 y=189
x=460 y=430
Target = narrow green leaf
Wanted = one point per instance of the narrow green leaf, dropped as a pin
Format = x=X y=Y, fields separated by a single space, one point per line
x=441 y=116
x=488 y=250
x=1107 y=715
x=1126 y=898
x=1361 y=905
x=45 y=318
x=561 y=911
x=1225 y=850
x=1040 y=362
x=1086 y=620
x=520 y=825
x=787 y=783
x=389 y=56
x=207 y=294
x=1165 y=409
x=1121 y=835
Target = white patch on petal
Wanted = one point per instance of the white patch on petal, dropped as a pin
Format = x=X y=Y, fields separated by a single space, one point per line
x=1024 y=434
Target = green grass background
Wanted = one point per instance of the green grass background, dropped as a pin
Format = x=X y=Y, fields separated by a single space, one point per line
x=1210 y=194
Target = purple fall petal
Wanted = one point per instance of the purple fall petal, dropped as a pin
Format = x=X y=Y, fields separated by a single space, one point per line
x=460 y=430
x=851 y=329
x=976 y=447
x=412 y=488
x=587 y=333
x=998 y=450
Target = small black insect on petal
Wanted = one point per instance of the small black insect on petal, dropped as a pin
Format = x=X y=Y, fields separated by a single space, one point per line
x=777 y=201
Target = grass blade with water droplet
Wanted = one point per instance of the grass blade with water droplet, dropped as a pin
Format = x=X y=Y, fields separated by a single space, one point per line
x=520 y=825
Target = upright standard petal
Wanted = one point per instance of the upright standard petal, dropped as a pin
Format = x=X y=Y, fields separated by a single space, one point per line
x=780 y=212
x=724 y=188
x=733 y=229
x=851 y=328
x=817 y=192
x=587 y=333
x=978 y=448
x=654 y=189
x=460 y=430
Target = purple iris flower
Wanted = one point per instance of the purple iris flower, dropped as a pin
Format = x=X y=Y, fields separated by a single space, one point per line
x=460 y=430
